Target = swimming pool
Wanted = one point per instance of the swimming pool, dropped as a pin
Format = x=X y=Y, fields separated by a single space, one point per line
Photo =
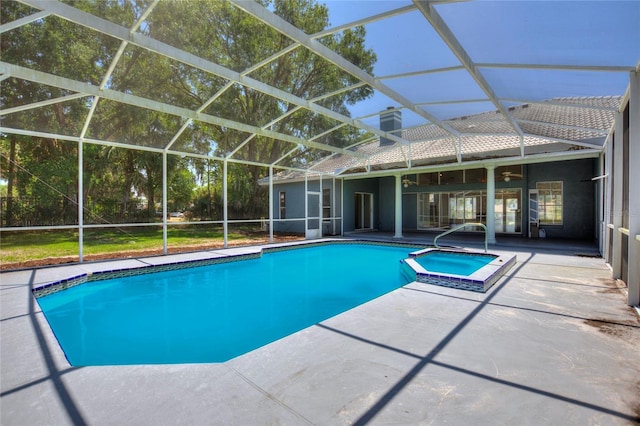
x=454 y=263
x=214 y=313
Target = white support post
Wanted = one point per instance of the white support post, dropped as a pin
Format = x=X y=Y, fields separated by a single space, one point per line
x=164 y=203
x=80 y=201
x=342 y=207
x=634 y=190
x=306 y=203
x=599 y=203
x=606 y=187
x=333 y=206
x=225 y=210
x=271 y=203
x=320 y=213
x=398 y=208
x=616 y=192
x=491 y=203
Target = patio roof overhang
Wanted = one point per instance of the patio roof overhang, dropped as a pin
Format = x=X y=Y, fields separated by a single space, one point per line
x=476 y=82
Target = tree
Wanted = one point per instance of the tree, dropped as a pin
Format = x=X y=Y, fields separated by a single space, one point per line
x=212 y=29
x=48 y=167
x=181 y=187
x=226 y=35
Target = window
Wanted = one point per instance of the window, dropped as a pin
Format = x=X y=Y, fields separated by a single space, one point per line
x=283 y=205
x=326 y=204
x=549 y=203
x=441 y=209
x=463 y=206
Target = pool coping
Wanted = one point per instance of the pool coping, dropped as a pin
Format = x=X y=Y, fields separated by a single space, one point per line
x=480 y=281
x=148 y=265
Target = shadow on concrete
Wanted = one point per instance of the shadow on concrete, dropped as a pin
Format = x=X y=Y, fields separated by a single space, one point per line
x=520 y=308
x=425 y=360
x=55 y=375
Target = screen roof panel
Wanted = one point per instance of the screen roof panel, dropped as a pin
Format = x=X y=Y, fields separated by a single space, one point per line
x=367 y=111
x=455 y=85
x=551 y=32
x=122 y=12
x=544 y=84
x=34 y=46
x=63 y=118
x=494 y=63
x=131 y=125
x=445 y=111
x=262 y=150
x=222 y=34
x=346 y=11
x=16 y=13
x=182 y=85
x=196 y=138
x=428 y=51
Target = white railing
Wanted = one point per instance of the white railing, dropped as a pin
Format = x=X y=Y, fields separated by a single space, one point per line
x=458 y=227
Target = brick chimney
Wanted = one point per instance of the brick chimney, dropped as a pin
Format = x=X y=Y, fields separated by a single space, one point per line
x=390 y=121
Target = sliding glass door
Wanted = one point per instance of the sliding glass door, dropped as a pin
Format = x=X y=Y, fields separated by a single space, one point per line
x=363 y=211
x=442 y=209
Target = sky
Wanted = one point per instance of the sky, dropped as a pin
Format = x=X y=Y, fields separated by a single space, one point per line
x=517 y=32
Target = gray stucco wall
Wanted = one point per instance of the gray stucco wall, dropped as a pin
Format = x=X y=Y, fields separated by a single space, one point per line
x=578 y=196
x=295 y=205
x=294 y=199
x=410 y=212
x=386 y=204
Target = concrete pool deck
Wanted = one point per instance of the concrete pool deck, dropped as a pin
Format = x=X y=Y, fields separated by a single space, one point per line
x=553 y=342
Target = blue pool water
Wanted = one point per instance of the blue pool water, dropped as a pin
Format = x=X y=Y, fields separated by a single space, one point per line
x=454 y=263
x=214 y=313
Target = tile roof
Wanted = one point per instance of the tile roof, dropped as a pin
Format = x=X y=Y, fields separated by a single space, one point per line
x=555 y=125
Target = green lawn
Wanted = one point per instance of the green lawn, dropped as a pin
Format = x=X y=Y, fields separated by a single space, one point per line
x=16 y=247
x=22 y=246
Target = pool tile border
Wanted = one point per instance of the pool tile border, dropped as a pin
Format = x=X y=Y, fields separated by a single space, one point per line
x=107 y=274
x=148 y=268
x=480 y=281
x=299 y=245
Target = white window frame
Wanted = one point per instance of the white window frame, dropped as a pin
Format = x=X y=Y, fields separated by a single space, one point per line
x=545 y=189
x=282 y=207
x=326 y=205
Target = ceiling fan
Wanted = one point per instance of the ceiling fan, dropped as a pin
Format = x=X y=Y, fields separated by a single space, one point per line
x=508 y=175
x=407 y=182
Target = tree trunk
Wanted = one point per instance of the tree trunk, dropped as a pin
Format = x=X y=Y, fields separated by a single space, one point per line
x=11 y=175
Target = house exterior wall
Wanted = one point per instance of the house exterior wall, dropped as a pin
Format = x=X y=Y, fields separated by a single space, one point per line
x=579 y=193
x=621 y=188
x=295 y=206
x=579 y=200
x=386 y=204
x=409 y=212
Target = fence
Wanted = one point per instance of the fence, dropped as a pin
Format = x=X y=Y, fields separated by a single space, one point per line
x=48 y=211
